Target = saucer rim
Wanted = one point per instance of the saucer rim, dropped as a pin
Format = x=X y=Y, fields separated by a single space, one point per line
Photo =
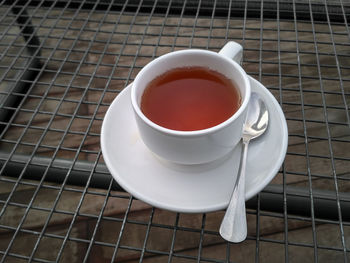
x=209 y=208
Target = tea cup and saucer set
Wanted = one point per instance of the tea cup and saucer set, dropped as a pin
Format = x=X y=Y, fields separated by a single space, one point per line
x=191 y=171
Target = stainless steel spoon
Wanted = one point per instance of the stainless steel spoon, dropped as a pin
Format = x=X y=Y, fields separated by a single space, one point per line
x=234 y=225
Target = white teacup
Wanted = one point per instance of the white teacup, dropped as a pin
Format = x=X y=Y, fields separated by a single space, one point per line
x=199 y=146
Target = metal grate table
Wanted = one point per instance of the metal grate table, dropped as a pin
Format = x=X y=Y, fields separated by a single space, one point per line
x=63 y=62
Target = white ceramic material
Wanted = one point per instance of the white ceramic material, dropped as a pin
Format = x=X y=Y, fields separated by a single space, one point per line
x=188 y=188
x=201 y=146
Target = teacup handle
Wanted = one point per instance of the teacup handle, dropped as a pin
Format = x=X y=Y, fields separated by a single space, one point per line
x=232 y=50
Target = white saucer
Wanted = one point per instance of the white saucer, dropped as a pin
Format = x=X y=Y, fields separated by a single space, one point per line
x=188 y=188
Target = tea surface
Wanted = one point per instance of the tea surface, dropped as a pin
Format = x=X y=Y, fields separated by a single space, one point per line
x=191 y=98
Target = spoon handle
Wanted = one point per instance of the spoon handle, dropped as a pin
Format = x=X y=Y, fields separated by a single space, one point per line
x=234 y=225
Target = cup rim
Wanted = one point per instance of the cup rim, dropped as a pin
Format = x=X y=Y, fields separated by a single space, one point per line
x=209 y=130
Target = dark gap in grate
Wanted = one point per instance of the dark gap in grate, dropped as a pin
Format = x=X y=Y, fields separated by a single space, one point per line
x=30 y=67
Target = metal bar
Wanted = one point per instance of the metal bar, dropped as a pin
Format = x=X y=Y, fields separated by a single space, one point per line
x=97 y=223
x=79 y=175
x=117 y=244
x=210 y=31
x=176 y=224
x=179 y=23
x=141 y=42
x=328 y=132
x=58 y=170
x=222 y=9
x=198 y=26
x=257 y=207
x=197 y=46
x=324 y=202
x=228 y=245
x=200 y=247
x=258 y=200
x=161 y=33
x=346 y=108
x=142 y=256
x=284 y=182
x=194 y=24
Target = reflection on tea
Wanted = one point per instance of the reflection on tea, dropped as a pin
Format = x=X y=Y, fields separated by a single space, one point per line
x=190 y=98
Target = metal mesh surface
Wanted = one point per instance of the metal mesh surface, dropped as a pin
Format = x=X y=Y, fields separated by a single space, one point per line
x=63 y=62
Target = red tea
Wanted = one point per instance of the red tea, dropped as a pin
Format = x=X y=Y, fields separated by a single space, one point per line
x=189 y=99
